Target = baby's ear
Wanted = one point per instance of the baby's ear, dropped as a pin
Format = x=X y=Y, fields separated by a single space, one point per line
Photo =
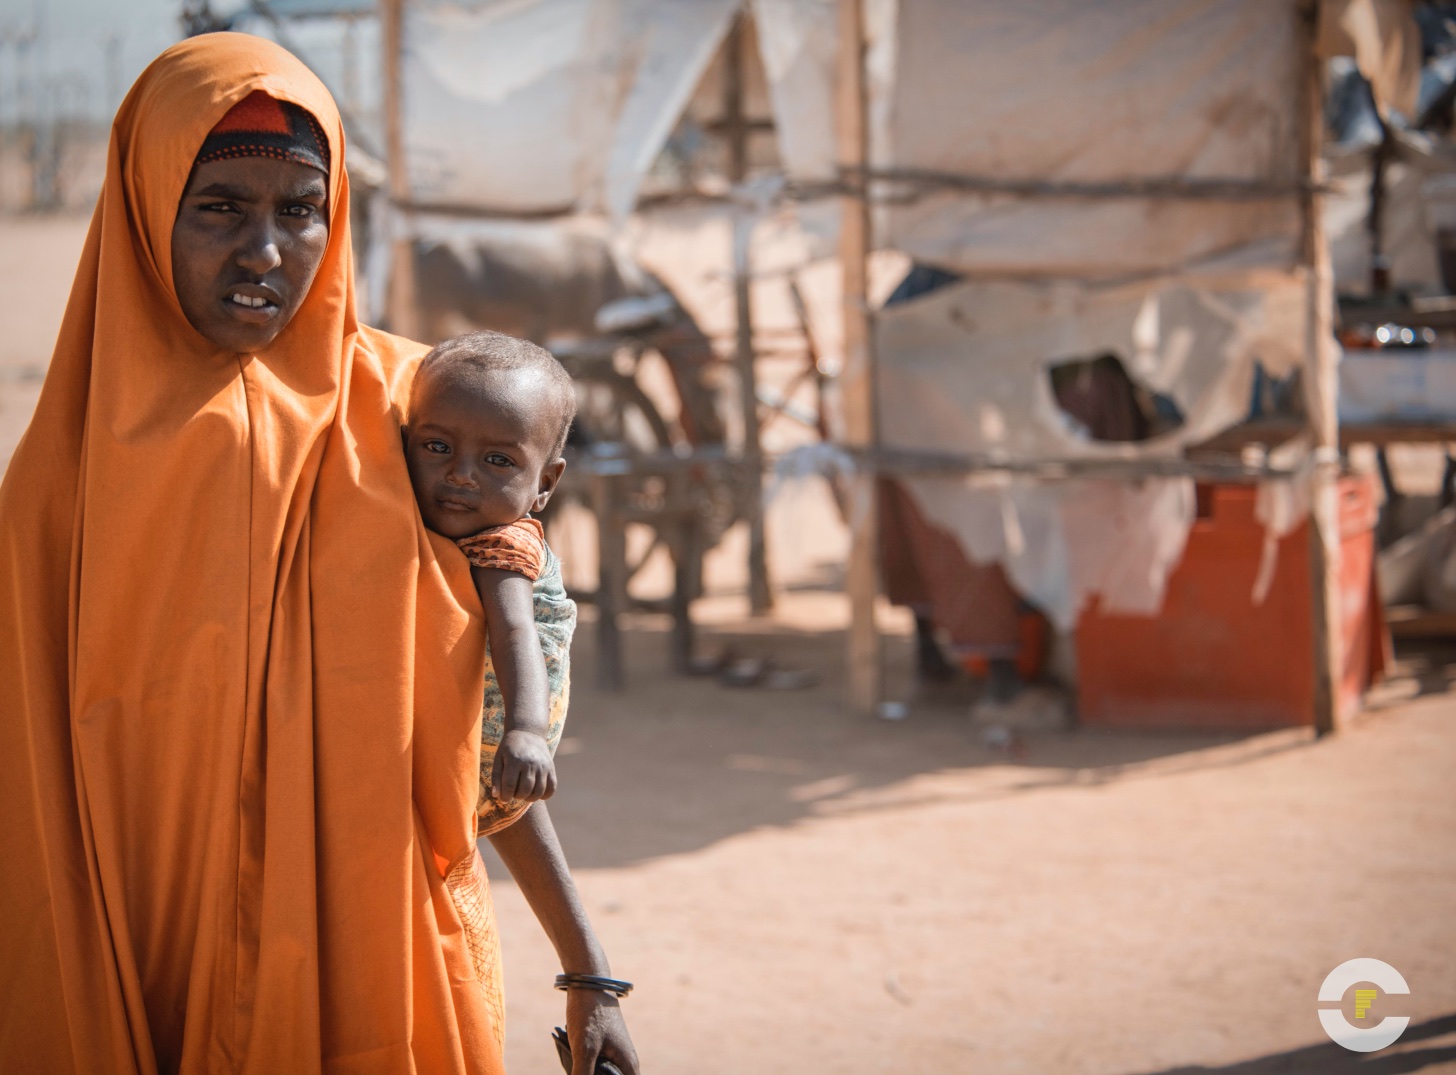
x=550 y=476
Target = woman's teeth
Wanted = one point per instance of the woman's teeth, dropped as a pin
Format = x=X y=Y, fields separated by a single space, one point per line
x=243 y=300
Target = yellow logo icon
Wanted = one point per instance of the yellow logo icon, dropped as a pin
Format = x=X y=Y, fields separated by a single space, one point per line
x=1363 y=999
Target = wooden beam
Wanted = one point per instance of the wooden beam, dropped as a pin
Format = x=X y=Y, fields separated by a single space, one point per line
x=736 y=130
x=909 y=182
x=400 y=303
x=1321 y=389
x=857 y=381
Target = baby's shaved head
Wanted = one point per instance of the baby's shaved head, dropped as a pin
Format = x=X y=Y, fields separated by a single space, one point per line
x=477 y=354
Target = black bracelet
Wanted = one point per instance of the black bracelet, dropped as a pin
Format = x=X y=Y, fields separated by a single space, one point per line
x=614 y=986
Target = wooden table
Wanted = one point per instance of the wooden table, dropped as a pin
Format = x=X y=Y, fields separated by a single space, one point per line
x=678 y=520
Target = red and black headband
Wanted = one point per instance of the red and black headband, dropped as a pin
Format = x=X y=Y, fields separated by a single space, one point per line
x=262 y=126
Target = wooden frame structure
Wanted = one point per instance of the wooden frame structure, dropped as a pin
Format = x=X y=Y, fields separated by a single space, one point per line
x=854 y=187
x=1321 y=387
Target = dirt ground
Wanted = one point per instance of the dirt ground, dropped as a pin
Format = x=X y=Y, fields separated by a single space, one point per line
x=795 y=889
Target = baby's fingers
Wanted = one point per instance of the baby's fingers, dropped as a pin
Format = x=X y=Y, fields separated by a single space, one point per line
x=497 y=772
x=531 y=784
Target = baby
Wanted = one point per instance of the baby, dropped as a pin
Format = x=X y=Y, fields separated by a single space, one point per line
x=488 y=418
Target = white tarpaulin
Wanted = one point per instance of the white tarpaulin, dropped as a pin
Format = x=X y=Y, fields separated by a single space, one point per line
x=964 y=369
x=531 y=106
x=1066 y=91
x=1420 y=199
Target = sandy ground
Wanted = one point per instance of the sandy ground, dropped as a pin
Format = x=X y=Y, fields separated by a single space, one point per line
x=798 y=890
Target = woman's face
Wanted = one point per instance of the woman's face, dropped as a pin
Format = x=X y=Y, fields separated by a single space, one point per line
x=250 y=235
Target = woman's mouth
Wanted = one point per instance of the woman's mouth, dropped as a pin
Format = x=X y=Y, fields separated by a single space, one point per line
x=256 y=306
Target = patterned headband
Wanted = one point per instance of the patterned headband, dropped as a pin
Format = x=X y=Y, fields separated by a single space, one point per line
x=261 y=126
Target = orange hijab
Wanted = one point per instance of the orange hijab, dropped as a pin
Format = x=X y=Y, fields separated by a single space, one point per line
x=240 y=712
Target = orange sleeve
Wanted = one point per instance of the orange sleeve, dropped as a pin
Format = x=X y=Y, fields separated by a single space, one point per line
x=519 y=546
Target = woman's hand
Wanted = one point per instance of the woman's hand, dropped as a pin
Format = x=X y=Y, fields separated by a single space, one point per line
x=595 y=1027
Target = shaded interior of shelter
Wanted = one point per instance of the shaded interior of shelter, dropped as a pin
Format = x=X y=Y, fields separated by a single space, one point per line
x=1099 y=394
x=1420 y=1048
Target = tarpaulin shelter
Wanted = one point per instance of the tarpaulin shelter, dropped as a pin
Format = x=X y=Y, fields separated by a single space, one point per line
x=1130 y=176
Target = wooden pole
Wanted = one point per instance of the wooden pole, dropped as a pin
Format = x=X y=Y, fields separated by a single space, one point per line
x=1320 y=392
x=606 y=493
x=736 y=130
x=857 y=382
x=400 y=302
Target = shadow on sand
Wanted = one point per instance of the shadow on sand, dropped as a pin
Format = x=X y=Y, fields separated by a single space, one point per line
x=672 y=765
x=1331 y=1059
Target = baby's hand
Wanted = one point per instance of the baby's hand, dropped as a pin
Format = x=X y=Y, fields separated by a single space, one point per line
x=523 y=768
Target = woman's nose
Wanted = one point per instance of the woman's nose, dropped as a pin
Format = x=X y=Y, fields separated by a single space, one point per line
x=259 y=252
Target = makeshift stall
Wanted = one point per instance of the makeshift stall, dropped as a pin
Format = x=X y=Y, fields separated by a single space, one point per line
x=1138 y=179
x=1134 y=179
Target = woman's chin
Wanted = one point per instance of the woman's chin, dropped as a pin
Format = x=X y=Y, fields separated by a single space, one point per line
x=242 y=340
x=246 y=333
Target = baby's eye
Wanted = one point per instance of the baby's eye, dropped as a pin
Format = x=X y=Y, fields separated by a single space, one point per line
x=439 y=447
x=495 y=459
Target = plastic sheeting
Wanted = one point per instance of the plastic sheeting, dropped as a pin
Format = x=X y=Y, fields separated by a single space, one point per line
x=1062 y=91
x=540 y=106
x=964 y=369
x=1188 y=292
x=1420 y=199
x=1062 y=544
x=1383 y=37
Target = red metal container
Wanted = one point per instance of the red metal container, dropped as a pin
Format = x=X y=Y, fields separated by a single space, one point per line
x=1212 y=658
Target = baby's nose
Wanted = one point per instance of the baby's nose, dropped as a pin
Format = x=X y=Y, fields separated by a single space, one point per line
x=459 y=477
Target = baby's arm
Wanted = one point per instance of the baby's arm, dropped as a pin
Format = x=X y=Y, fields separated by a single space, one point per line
x=532 y=853
x=523 y=767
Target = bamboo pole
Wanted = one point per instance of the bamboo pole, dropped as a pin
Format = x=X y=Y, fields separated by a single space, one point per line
x=1320 y=388
x=736 y=130
x=400 y=302
x=856 y=379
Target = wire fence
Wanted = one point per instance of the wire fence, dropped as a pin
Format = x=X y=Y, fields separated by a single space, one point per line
x=64 y=69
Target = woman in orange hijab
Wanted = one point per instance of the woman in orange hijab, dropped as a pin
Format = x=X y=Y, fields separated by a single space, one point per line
x=240 y=712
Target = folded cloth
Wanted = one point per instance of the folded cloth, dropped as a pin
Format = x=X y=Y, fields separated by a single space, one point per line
x=519 y=546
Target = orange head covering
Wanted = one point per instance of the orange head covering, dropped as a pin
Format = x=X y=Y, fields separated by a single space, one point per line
x=240 y=719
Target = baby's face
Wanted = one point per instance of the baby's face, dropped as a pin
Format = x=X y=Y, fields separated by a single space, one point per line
x=479 y=449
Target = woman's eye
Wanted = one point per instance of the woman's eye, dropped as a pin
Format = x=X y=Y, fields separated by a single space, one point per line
x=439 y=447
x=218 y=207
x=300 y=209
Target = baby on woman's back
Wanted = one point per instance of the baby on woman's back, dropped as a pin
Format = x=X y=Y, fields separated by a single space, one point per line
x=487 y=424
